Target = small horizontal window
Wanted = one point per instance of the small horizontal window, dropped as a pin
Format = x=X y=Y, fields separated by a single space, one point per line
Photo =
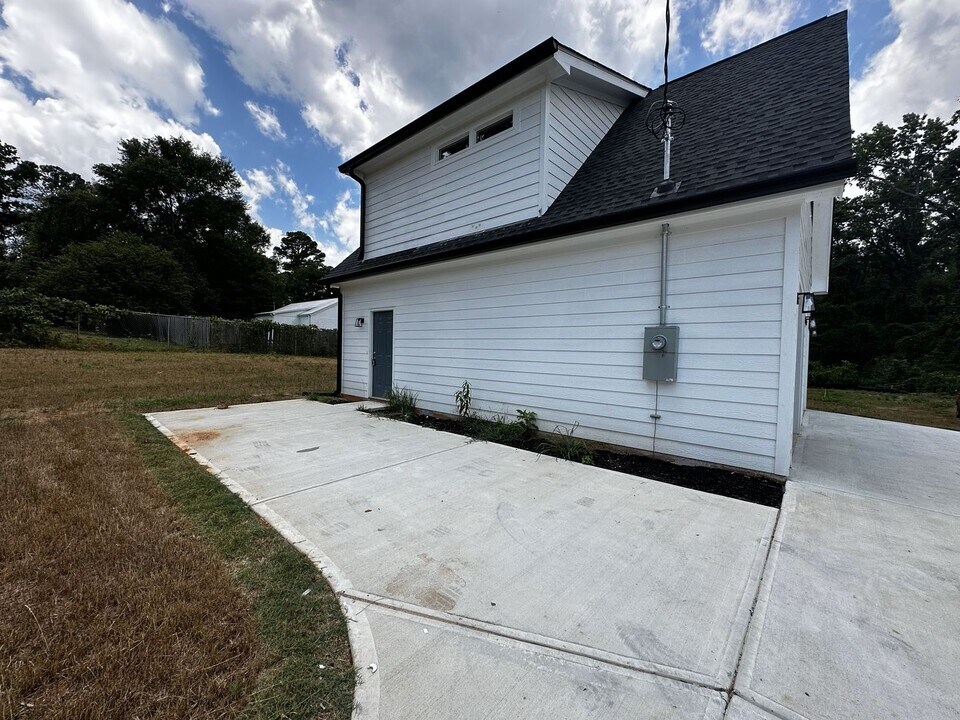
x=454 y=147
x=495 y=128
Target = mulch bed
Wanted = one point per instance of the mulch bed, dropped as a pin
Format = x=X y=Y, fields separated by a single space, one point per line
x=729 y=483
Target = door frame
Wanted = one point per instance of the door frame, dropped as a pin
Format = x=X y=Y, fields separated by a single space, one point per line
x=393 y=348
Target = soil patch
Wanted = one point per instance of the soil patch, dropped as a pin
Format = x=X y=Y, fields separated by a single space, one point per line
x=717 y=481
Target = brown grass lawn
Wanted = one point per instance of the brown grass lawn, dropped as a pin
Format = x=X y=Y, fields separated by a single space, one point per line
x=43 y=381
x=132 y=584
x=933 y=409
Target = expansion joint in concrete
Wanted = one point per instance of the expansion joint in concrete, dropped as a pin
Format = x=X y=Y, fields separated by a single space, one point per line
x=774 y=541
x=351 y=477
x=535 y=641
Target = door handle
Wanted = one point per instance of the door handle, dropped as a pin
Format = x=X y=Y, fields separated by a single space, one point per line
x=374 y=360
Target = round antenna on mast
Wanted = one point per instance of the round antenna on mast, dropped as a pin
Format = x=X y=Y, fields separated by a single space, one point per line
x=665 y=117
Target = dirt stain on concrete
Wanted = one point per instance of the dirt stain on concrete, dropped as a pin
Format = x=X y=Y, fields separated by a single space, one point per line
x=200 y=436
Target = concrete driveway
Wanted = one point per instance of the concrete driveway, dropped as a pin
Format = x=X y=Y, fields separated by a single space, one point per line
x=497 y=584
x=859 y=613
x=485 y=582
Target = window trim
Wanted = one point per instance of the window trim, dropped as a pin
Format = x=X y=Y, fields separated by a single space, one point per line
x=471 y=133
x=457 y=139
x=513 y=121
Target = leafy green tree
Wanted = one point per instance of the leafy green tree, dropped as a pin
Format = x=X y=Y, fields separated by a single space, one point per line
x=302 y=269
x=895 y=276
x=119 y=270
x=15 y=176
x=188 y=202
x=66 y=216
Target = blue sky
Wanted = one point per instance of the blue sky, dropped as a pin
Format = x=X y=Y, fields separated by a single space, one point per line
x=286 y=89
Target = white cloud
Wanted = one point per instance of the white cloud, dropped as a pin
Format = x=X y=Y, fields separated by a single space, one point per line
x=626 y=35
x=276 y=234
x=300 y=202
x=360 y=70
x=286 y=48
x=79 y=76
x=266 y=120
x=255 y=185
x=337 y=231
x=739 y=24
x=918 y=72
x=342 y=225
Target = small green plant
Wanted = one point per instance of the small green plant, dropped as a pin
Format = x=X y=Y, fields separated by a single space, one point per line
x=498 y=430
x=463 y=399
x=401 y=402
x=566 y=446
x=527 y=420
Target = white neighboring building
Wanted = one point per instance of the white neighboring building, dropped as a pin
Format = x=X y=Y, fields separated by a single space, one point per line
x=510 y=237
x=322 y=313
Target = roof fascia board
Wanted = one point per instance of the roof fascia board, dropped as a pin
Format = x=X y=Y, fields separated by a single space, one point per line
x=583 y=71
x=601 y=68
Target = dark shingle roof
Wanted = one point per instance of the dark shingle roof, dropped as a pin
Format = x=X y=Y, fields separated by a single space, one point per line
x=773 y=118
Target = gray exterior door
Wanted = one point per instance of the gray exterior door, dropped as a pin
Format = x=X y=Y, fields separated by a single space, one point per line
x=382 y=359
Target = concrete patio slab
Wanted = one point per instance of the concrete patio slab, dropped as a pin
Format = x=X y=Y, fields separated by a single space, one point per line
x=652 y=583
x=280 y=447
x=915 y=465
x=859 y=609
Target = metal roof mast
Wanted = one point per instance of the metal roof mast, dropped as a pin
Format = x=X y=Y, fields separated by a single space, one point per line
x=664 y=117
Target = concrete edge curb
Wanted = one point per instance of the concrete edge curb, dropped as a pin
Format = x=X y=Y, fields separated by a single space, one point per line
x=362 y=647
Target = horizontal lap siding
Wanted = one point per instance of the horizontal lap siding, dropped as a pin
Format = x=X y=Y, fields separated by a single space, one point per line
x=416 y=201
x=577 y=124
x=557 y=329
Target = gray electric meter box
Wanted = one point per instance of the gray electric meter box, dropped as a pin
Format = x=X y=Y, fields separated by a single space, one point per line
x=660 y=352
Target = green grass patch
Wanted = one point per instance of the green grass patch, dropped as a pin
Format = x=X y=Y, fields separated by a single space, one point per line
x=300 y=632
x=931 y=409
x=72 y=340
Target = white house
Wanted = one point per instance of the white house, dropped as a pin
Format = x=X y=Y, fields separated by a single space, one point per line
x=322 y=313
x=512 y=237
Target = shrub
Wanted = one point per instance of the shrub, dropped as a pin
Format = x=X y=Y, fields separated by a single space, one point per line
x=888 y=373
x=401 y=402
x=22 y=320
x=844 y=375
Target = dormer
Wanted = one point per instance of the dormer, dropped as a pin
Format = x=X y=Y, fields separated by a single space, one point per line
x=499 y=152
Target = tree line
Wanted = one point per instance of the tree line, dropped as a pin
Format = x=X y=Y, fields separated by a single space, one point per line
x=892 y=317
x=163 y=229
